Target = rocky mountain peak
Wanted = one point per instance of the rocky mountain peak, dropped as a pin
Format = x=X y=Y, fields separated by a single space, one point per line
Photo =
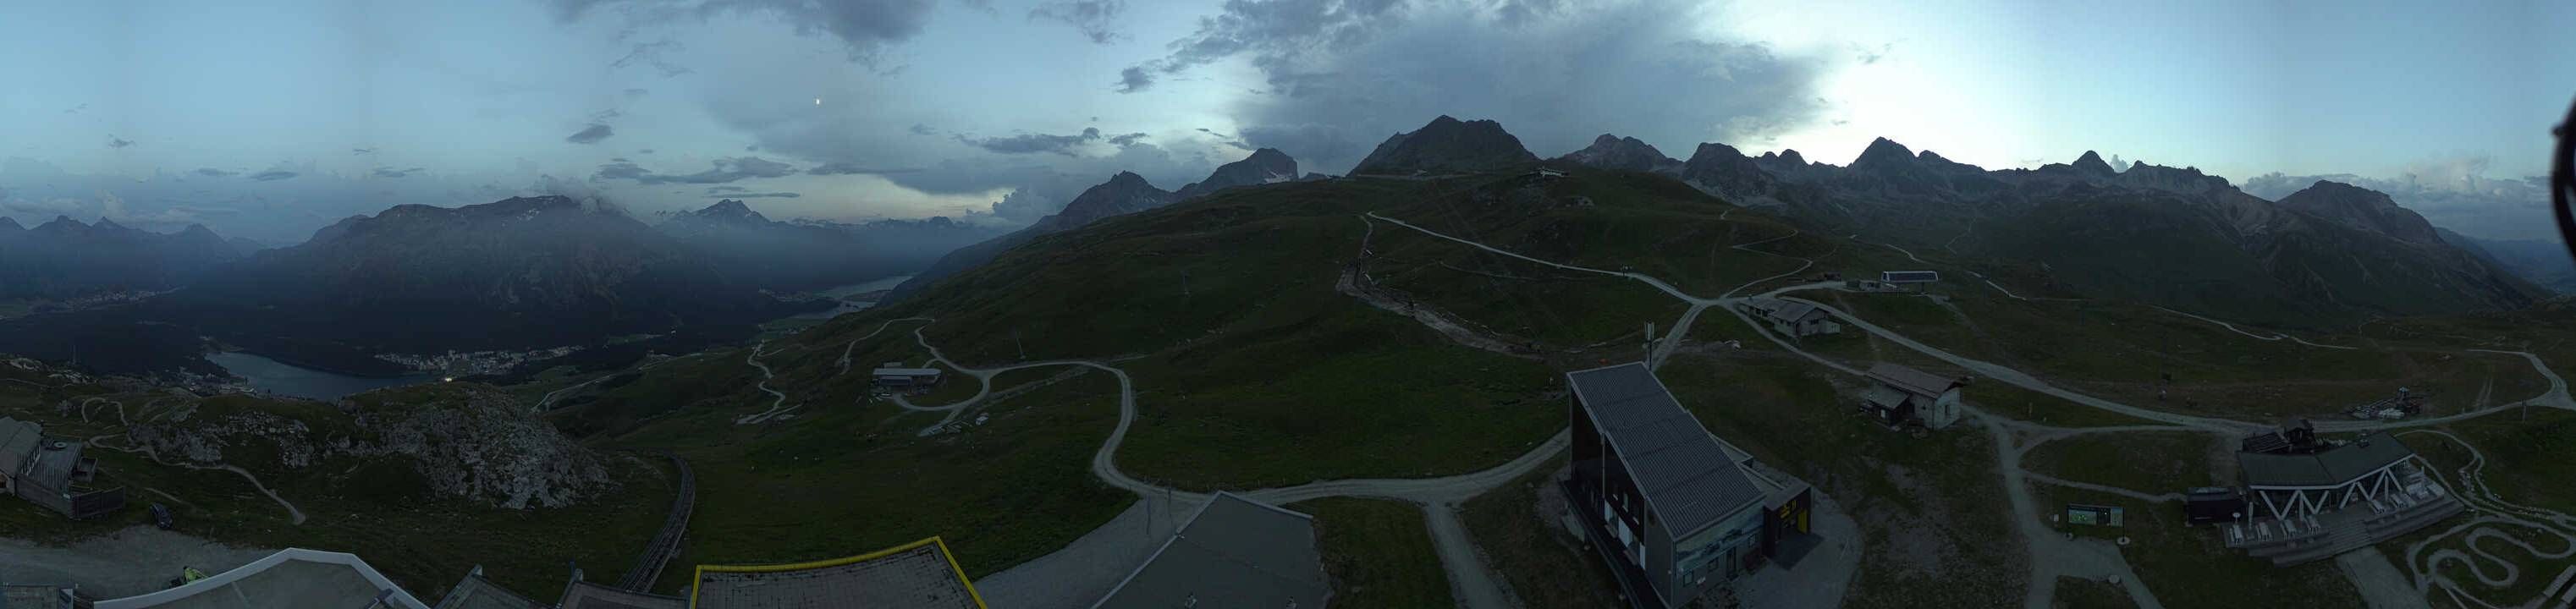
x=729 y=211
x=1883 y=153
x=1790 y=155
x=1447 y=145
x=1264 y=166
x=1723 y=170
x=1614 y=152
x=8 y=225
x=2362 y=208
x=2092 y=164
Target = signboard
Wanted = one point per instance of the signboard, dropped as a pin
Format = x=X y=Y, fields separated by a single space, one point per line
x=2101 y=515
x=1909 y=276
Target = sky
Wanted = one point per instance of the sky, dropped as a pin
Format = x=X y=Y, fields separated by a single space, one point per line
x=269 y=119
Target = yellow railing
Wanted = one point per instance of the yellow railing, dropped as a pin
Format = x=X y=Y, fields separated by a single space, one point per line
x=702 y=570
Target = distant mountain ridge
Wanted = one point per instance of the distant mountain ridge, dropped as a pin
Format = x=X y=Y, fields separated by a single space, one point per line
x=2329 y=254
x=1124 y=193
x=801 y=256
x=65 y=258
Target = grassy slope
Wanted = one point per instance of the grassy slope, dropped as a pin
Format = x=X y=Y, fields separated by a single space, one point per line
x=848 y=479
x=2148 y=462
x=1378 y=553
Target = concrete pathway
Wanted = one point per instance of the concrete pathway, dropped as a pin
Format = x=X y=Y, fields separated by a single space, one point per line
x=131 y=561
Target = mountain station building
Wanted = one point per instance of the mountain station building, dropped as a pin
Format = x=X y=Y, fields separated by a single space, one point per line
x=1677 y=513
x=1904 y=394
x=895 y=376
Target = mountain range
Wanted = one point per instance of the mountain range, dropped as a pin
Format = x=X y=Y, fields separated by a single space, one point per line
x=1124 y=193
x=2330 y=254
x=66 y=258
x=805 y=256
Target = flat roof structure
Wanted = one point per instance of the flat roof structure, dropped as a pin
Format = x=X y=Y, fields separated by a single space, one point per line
x=1680 y=469
x=2327 y=468
x=293 y=577
x=1234 y=552
x=907 y=372
x=586 y=595
x=475 y=592
x=917 y=575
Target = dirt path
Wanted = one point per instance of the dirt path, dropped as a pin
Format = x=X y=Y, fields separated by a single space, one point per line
x=778 y=408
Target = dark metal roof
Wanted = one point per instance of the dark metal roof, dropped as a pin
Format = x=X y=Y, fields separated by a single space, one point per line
x=1235 y=552
x=476 y=592
x=17 y=442
x=2331 y=467
x=1913 y=381
x=52 y=467
x=1686 y=477
x=586 y=595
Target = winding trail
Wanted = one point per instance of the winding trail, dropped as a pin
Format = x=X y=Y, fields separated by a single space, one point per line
x=2274 y=337
x=778 y=407
x=2494 y=518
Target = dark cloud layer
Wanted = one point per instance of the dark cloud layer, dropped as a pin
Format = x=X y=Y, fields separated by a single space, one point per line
x=214 y=173
x=726 y=170
x=1094 y=18
x=389 y=172
x=757 y=195
x=592 y=134
x=863 y=25
x=273 y=175
x=1343 y=75
x=848 y=168
x=1034 y=142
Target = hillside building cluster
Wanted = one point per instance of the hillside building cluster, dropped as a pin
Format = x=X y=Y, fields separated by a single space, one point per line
x=1902 y=395
x=2306 y=499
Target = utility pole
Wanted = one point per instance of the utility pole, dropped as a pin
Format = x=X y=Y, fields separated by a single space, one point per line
x=1024 y=347
x=1650 y=346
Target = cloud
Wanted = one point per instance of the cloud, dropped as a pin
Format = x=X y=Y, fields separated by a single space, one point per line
x=1034 y=142
x=273 y=175
x=362 y=151
x=389 y=172
x=726 y=170
x=921 y=129
x=1091 y=17
x=1126 y=140
x=115 y=142
x=636 y=93
x=847 y=168
x=55 y=206
x=757 y=195
x=2452 y=192
x=863 y=26
x=1134 y=79
x=1342 y=75
x=592 y=134
x=213 y=172
x=718 y=189
x=657 y=54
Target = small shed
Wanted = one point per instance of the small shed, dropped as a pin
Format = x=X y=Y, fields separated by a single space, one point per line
x=1792 y=318
x=1904 y=394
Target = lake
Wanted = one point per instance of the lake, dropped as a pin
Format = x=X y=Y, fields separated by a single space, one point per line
x=288 y=379
x=841 y=292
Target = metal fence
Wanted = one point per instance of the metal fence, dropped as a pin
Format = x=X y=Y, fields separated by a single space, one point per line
x=648 y=566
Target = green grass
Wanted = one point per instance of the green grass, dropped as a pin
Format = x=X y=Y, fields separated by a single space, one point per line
x=1929 y=508
x=2190 y=567
x=1378 y=553
x=2154 y=463
x=1515 y=297
x=1547 y=566
x=850 y=479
